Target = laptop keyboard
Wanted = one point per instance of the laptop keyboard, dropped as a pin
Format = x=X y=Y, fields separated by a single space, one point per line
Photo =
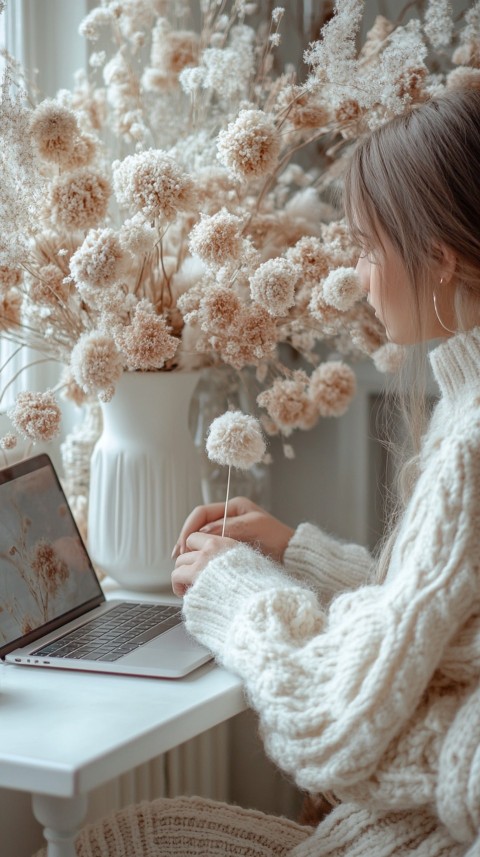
x=116 y=633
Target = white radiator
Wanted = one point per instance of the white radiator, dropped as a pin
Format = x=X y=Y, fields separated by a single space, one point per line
x=198 y=767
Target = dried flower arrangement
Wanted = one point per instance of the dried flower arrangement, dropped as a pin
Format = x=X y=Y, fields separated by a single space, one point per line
x=159 y=217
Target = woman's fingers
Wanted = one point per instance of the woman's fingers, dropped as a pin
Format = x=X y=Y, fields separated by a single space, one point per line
x=212 y=513
x=197 y=519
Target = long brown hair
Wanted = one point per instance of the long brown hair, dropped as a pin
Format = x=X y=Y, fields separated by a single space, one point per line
x=416 y=179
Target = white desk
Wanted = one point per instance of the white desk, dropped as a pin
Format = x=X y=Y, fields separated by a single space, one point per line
x=64 y=733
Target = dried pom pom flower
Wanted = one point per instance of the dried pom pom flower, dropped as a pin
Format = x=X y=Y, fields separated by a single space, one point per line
x=389 y=357
x=79 y=199
x=250 y=145
x=310 y=256
x=95 y=362
x=273 y=285
x=216 y=238
x=10 y=277
x=463 y=77
x=54 y=129
x=99 y=261
x=71 y=391
x=332 y=388
x=341 y=288
x=146 y=342
x=8 y=441
x=36 y=416
x=288 y=404
x=236 y=440
x=219 y=309
x=152 y=183
x=172 y=51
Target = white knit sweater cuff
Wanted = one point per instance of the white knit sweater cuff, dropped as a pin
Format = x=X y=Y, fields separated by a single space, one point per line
x=225 y=585
x=326 y=564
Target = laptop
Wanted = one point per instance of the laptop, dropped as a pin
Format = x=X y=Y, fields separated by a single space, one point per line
x=53 y=613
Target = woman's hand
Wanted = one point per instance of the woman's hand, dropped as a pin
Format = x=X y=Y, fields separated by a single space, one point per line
x=200 y=548
x=246 y=522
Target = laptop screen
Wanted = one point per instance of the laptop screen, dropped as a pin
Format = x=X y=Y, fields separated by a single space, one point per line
x=45 y=571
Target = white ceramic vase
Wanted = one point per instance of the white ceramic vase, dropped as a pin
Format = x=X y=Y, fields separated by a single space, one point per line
x=144 y=478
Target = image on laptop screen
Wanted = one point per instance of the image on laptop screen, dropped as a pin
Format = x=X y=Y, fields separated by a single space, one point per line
x=44 y=569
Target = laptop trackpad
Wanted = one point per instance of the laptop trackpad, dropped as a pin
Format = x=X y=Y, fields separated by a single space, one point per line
x=175 y=647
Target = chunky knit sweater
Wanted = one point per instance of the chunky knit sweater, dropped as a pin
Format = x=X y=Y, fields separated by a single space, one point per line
x=372 y=691
x=367 y=690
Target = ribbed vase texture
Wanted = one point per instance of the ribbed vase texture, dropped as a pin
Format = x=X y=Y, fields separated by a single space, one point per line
x=144 y=478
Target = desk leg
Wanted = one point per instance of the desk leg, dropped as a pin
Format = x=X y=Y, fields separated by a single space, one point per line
x=61 y=819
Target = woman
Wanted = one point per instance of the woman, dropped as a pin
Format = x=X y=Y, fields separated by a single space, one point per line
x=365 y=672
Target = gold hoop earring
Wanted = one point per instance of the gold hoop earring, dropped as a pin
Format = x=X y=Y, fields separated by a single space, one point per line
x=438 y=314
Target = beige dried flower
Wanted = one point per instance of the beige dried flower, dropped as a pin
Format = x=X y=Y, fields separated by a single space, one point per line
x=217 y=238
x=10 y=277
x=273 y=285
x=36 y=416
x=136 y=236
x=146 y=342
x=95 y=362
x=152 y=183
x=10 y=309
x=329 y=317
x=252 y=338
x=79 y=199
x=219 y=308
x=341 y=288
x=250 y=145
x=463 y=77
x=172 y=51
x=304 y=109
x=311 y=257
x=389 y=357
x=83 y=152
x=8 y=441
x=288 y=404
x=71 y=390
x=467 y=54
x=100 y=261
x=332 y=387
x=236 y=440
x=54 y=129
x=366 y=330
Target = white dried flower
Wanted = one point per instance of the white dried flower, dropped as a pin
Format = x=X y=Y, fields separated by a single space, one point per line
x=235 y=439
x=250 y=145
x=152 y=183
x=54 y=129
x=79 y=200
x=438 y=23
x=100 y=261
x=36 y=416
x=95 y=362
x=389 y=357
x=342 y=288
x=332 y=387
x=273 y=285
x=216 y=238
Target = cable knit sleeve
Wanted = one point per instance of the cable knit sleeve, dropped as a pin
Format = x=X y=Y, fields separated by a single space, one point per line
x=327 y=564
x=333 y=688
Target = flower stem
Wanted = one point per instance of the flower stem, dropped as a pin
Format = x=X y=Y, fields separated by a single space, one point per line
x=226 y=501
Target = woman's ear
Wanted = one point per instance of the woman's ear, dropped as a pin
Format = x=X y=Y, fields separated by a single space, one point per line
x=446 y=260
